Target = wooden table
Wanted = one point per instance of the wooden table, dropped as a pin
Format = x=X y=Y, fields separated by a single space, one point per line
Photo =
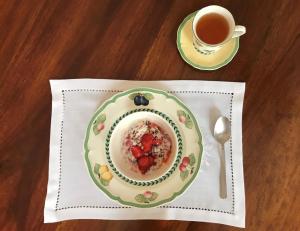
x=42 y=40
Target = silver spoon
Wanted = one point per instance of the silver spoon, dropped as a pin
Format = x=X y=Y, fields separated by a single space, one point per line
x=222 y=134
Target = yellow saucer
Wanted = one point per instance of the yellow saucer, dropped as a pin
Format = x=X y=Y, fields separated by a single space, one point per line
x=195 y=58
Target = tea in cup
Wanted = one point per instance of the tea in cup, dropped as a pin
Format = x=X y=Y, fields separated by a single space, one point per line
x=213 y=26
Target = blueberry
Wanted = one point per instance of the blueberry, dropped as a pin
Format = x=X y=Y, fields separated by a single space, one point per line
x=144 y=101
x=137 y=100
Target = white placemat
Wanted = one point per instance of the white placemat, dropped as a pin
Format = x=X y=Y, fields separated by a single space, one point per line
x=72 y=194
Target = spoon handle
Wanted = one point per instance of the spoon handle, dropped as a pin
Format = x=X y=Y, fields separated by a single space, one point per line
x=223 y=185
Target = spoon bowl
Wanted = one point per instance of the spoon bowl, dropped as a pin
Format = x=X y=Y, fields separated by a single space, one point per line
x=222 y=134
x=222 y=129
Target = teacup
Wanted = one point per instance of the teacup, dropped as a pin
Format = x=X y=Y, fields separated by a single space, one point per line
x=215 y=36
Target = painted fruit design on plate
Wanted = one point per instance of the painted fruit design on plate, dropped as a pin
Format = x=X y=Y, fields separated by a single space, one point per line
x=147 y=147
x=141 y=99
x=103 y=173
x=146 y=197
x=186 y=166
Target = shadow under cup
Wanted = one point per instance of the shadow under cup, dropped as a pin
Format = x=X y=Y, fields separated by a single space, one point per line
x=118 y=154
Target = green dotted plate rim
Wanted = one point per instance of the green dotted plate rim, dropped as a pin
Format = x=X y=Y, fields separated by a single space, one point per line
x=197 y=66
x=118 y=198
x=168 y=173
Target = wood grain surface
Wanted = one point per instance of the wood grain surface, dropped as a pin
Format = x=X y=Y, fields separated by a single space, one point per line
x=42 y=40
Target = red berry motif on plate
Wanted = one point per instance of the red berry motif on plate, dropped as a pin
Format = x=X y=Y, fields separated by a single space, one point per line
x=185 y=118
x=182 y=167
x=185 y=161
x=98 y=124
x=186 y=166
x=146 y=197
x=147 y=194
x=182 y=119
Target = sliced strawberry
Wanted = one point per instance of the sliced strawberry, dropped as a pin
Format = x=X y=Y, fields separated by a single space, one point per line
x=151 y=160
x=147 y=147
x=136 y=151
x=144 y=163
x=147 y=140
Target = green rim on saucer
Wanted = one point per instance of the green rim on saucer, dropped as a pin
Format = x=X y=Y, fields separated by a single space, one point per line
x=195 y=58
x=104 y=145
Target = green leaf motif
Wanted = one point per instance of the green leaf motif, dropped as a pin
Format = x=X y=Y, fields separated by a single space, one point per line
x=101 y=118
x=192 y=159
x=133 y=95
x=104 y=182
x=184 y=174
x=148 y=96
x=153 y=197
x=95 y=129
x=140 y=198
x=181 y=113
x=189 y=123
x=96 y=168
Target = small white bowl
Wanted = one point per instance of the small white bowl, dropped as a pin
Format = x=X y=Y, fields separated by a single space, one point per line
x=120 y=161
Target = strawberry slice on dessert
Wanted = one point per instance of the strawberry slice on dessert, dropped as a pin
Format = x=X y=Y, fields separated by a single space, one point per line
x=136 y=151
x=147 y=141
x=144 y=163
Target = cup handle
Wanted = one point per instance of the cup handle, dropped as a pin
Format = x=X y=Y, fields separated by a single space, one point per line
x=238 y=31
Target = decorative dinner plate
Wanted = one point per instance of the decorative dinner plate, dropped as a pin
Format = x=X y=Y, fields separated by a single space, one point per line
x=143 y=147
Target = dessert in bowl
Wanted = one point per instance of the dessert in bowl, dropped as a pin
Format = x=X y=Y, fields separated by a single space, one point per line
x=143 y=146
